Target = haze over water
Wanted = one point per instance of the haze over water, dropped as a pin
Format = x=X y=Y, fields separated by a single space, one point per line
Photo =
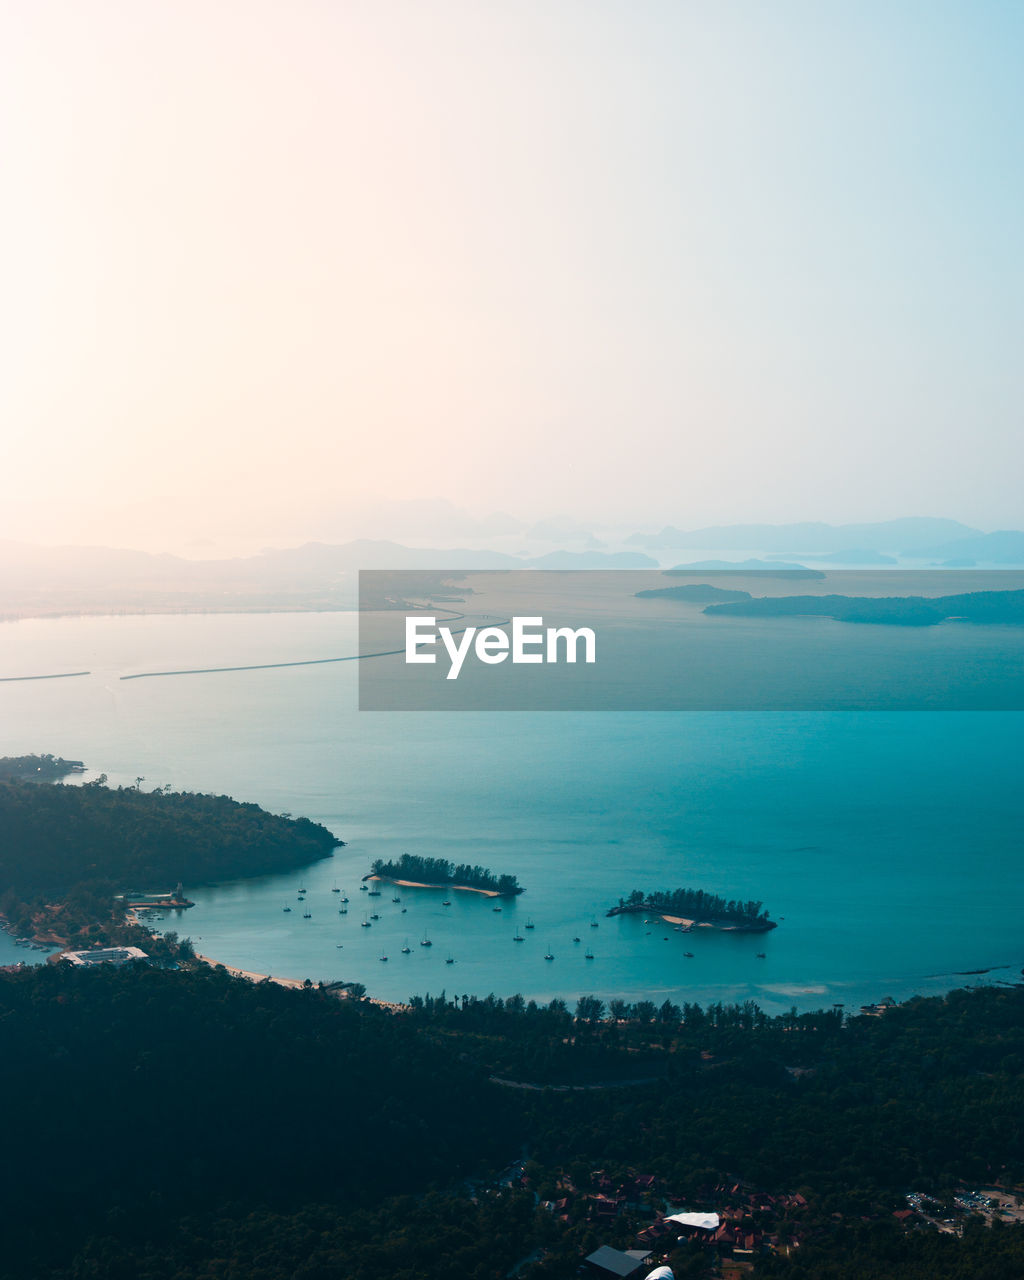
x=888 y=843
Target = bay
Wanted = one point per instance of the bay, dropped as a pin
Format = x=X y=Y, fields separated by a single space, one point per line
x=887 y=843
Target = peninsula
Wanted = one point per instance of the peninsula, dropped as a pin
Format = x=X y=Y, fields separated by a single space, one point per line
x=694 y=908
x=417 y=872
x=43 y=768
x=74 y=856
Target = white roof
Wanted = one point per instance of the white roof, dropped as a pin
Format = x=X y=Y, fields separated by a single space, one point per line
x=661 y=1273
x=706 y=1221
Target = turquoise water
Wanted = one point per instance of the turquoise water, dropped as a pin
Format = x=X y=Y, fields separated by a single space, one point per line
x=889 y=843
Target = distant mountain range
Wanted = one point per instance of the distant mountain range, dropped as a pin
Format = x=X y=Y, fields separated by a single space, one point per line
x=1005 y=547
x=912 y=535
x=38 y=580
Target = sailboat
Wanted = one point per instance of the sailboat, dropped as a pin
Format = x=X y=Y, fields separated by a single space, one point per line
x=307 y=915
x=451 y=959
x=549 y=956
x=529 y=924
x=589 y=955
x=335 y=889
x=287 y=908
x=517 y=936
x=365 y=924
x=426 y=942
x=383 y=957
x=406 y=949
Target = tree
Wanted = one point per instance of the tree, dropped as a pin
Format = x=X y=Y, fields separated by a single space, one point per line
x=589 y=1009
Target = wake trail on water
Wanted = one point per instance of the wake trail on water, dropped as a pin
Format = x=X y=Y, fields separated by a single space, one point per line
x=271 y=666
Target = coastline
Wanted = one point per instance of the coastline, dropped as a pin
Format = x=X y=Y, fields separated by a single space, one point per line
x=687 y=925
x=299 y=984
x=416 y=884
x=246 y=973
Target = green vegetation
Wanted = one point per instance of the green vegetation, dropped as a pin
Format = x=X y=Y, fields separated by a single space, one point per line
x=701 y=907
x=58 y=836
x=68 y=850
x=297 y=1134
x=44 y=768
x=439 y=871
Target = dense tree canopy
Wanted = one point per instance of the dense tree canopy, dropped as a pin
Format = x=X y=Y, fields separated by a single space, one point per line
x=697 y=904
x=178 y=1118
x=57 y=836
x=423 y=870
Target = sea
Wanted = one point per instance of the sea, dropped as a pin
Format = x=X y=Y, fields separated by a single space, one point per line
x=886 y=844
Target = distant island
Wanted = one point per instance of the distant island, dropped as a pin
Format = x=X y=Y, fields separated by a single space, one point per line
x=759 y=568
x=438 y=873
x=979 y=607
x=695 y=593
x=692 y=908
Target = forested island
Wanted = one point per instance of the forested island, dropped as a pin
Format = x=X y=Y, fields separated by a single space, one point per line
x=415 y=870
x=694 y=593
x=696 y=907
x=68 y=850
x=979 y=607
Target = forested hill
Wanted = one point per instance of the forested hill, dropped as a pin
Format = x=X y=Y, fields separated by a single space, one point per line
x=55 y=837
x=193 y=1126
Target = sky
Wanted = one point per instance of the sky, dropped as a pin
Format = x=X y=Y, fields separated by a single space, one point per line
x=635 y=262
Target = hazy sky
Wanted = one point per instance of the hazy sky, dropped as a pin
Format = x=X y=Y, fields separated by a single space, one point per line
x=674 y=261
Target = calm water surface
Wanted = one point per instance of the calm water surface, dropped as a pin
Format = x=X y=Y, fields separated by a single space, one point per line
x=889 y=844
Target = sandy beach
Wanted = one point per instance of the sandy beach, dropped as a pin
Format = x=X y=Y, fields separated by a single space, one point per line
x=253 y=977
x=415 y=884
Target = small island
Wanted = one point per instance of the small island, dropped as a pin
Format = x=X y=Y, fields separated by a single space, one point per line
x=415 y=872
x=982 y=608
x=694 y=908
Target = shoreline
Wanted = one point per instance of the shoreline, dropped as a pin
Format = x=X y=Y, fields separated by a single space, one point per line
x=417 y=884
x=247 y=973
x=299 y=984
x=686 y=925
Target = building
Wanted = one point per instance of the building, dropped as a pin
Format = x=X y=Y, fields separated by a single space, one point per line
x=116 y=956
x=614 y=1264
